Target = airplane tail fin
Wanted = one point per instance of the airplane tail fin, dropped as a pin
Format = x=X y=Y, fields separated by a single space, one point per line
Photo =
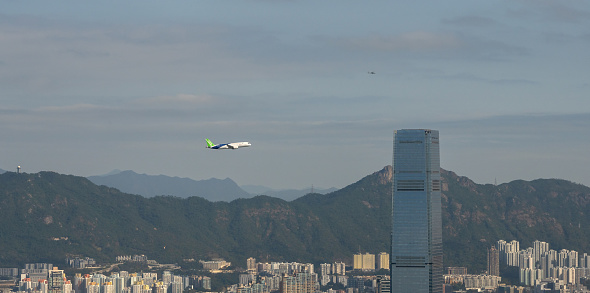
x=209 y=143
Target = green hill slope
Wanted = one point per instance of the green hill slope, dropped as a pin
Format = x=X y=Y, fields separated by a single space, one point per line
x=45 y=216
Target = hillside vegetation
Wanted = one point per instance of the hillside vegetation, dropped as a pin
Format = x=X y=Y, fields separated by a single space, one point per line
x=46 y=216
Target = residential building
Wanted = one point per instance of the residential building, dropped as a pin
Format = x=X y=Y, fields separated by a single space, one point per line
x=364 y=262
x=339 y=268
x=493 y=261
x=251 y=265
x=56 y=281
x=299 y=283
x=485 y=282
x=456 y=271
x=383 y=261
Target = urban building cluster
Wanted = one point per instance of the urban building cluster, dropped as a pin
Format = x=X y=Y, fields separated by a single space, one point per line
x=302 y=278
x=280 y=277
x=45 y=278
x=80 y=263
x=368 y=261
x=542 y=267
x=459 y=275
x=539 y=267
x=135 y=258
x=215 y=265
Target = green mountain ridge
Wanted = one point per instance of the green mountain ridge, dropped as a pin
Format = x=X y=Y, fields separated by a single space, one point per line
x=46 y=216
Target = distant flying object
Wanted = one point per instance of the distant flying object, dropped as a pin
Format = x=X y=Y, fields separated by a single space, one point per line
x=233 y=145
x=371 y=72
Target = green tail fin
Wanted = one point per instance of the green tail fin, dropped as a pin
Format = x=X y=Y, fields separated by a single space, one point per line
x=209 y=143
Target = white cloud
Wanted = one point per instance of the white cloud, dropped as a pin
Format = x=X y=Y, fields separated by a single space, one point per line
x=555 y=11
x=77 y=108
x=410 y=41
x=471 y=21
x=179 y=100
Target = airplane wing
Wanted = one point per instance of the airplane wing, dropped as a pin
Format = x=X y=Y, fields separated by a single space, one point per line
x=233 y=146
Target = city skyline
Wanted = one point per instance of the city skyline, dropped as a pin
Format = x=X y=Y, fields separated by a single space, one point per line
x=86 y=89
x=539 y=267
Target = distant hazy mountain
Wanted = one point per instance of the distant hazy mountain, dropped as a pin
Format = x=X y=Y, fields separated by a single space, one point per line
x=114 y=172
x=154 y=185
x=2 y=171
x=285 y=194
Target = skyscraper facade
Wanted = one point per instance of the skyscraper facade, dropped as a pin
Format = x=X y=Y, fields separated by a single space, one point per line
x=416 y=238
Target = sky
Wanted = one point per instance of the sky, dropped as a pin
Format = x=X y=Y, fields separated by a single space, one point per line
x=86 y=88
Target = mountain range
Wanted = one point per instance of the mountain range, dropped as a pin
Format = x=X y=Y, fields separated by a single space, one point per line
x=153 y=185
x=211 y=189
x=45 y=216
x=286 y=194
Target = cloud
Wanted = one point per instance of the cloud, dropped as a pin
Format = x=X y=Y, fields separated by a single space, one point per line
x=47 y=57
x=181 y=100
x=77 y=108
x=410 y=41
x=475 y=78
x=544 y=129
x=510 y=147
x=471 y=21
x=437 y=45
x=553 y=11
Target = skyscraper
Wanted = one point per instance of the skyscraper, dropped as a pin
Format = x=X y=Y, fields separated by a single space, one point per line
x=416 y=238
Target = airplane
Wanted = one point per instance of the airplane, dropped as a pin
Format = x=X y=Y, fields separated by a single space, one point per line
x=221 y=146
x=371 y=72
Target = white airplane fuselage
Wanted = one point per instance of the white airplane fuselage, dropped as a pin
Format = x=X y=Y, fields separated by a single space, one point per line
x=233 y=145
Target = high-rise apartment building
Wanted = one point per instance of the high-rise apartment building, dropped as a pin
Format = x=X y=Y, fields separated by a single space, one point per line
x=383 y=261
x=493 y=261
x=107 y=287
x=251 y=265
x=364 y=262
x=56 y=280
x=206 y=283
x=512 y=250
x=92 y=287
x=339 y=268
x=539 y=249
x=167 y=277
x=383 y=285
x=299 y=283
x=416 y=244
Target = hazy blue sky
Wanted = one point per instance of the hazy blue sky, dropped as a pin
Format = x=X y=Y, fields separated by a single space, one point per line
x=90 y=87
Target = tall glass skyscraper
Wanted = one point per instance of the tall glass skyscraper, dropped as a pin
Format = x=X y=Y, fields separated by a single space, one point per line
x=416 y=238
